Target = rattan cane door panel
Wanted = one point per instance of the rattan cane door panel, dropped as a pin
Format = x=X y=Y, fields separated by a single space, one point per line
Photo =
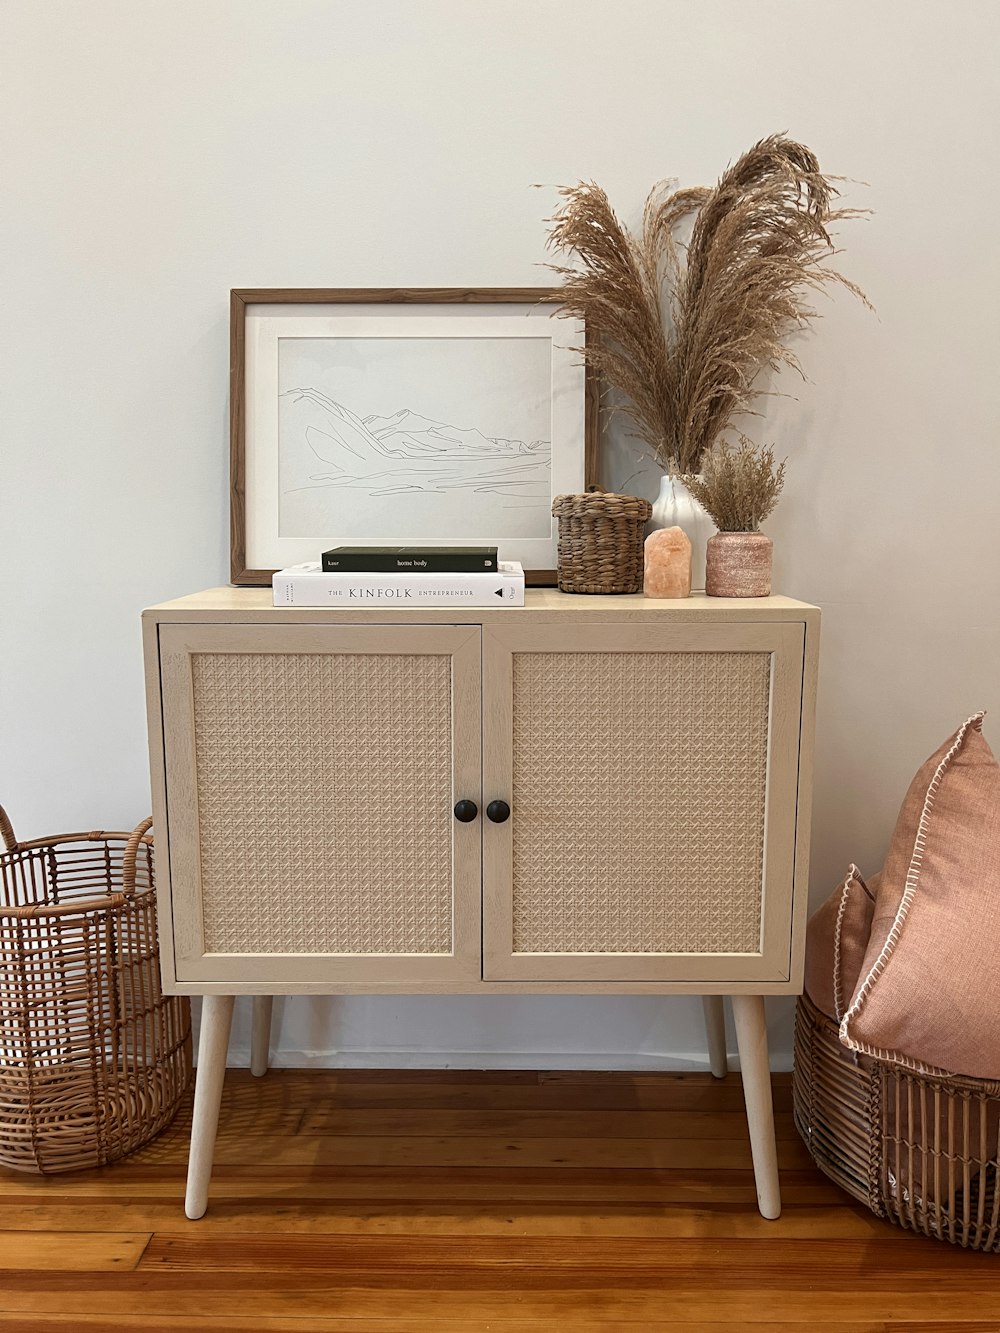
x=311 y=775
x=652 y=779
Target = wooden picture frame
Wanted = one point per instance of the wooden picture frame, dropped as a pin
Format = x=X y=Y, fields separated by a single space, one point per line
x=395 y=339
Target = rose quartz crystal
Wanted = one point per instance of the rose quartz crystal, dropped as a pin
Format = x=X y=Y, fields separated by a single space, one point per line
x=667 y=564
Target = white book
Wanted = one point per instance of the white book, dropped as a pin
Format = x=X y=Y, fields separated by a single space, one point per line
x=309 y=585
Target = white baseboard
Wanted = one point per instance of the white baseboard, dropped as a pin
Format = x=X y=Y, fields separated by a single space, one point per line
x=239 y=1056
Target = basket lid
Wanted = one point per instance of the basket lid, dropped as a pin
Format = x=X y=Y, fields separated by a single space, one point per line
x=602 y=504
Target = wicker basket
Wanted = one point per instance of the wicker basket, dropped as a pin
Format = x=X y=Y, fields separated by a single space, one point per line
x=94 y=1059
x=600 y=541
x=919 y=1151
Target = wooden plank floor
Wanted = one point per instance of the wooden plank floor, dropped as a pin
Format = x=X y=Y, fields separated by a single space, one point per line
x=440 y=1202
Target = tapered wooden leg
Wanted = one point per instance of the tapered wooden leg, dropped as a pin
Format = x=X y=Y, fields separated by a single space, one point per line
x=213 y=1044
x=715 y=1031
x=751 y=1039
x=260 y=1034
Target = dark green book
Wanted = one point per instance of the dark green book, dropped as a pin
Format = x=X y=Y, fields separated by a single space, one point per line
x=410 y=560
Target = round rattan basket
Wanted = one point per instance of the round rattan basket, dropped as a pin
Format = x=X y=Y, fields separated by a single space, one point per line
x=600 y=541
x=94 y=1059
x=919 y=1151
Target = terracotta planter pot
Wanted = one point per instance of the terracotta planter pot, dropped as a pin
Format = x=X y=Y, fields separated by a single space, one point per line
x=738 y=564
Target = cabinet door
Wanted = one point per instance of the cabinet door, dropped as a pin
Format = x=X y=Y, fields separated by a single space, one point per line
x=652 y=775
x=311 y=775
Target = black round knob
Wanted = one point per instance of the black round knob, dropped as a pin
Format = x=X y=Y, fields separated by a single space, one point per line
x=466 y=811
x=498 y=811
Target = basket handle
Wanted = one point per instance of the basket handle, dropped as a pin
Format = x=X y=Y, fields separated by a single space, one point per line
x=130 y=853
x=6 y=828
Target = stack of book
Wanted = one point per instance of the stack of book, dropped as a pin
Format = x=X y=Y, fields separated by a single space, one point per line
x=359 y=576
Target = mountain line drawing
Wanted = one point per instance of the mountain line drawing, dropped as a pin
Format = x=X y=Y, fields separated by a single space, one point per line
x=380 y=455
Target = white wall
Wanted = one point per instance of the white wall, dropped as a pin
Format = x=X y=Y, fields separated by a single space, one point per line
x=157 y=154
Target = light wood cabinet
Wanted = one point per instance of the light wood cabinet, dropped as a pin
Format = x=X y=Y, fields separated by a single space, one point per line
x=586 y=794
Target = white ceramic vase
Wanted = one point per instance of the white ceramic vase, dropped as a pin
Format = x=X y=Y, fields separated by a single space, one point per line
x=676 y=507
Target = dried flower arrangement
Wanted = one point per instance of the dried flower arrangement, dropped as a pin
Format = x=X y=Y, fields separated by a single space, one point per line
x=739 y=486
x=682 y=331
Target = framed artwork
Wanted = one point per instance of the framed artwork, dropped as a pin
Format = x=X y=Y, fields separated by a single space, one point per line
x=404 y=416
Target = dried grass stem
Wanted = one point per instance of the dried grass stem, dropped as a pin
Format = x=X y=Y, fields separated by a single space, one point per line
x=739 y=487
x=683 y=331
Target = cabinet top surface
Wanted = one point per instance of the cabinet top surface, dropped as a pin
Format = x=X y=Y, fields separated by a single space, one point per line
x=254 y=604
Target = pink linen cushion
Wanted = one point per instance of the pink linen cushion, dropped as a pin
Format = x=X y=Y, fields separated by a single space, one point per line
x=836 y=940
x=929 y=990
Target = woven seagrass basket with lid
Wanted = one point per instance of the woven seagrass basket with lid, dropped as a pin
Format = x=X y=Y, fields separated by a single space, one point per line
x=601 y=541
